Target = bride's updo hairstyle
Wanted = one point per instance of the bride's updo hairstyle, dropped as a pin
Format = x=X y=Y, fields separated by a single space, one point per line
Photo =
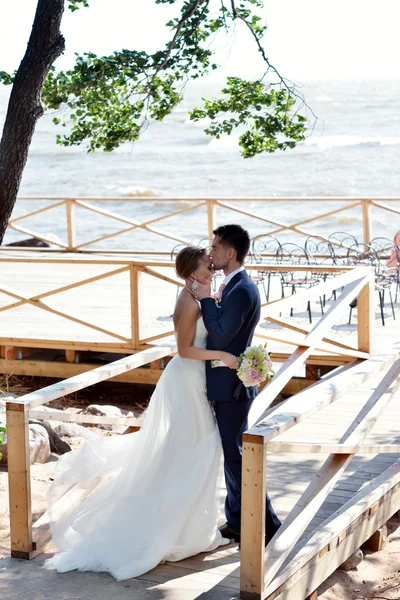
x=187 y=260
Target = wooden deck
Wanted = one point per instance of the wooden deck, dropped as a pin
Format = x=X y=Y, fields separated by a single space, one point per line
x=214 y=575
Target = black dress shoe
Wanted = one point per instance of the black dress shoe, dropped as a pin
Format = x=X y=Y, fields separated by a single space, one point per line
x=227 y=532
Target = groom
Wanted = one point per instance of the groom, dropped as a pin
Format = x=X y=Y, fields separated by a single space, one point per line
x=230 y=323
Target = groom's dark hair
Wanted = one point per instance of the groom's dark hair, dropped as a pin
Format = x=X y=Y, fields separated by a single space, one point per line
x=234 y=236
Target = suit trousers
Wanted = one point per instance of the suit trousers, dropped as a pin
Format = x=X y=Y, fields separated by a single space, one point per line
x=232 y=422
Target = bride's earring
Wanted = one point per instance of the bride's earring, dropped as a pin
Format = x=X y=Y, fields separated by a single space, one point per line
x=195 y=287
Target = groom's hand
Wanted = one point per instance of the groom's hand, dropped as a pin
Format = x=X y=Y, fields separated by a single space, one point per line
x=204 y=289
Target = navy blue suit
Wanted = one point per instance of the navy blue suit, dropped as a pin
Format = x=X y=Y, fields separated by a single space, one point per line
x=230 y=328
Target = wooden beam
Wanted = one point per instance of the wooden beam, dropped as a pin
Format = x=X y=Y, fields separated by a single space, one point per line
x=321 y=394
x=253 y=520
x=296 y=339
x=71 y=356
x=60 y=370
x=134 y=298
x=331 y=448
x=366 y=316
x=211 y=217
x=301 y=329
x=71 y=225
x=73 y=384
x=19 y=482
x=45 y=415
x=367 y=224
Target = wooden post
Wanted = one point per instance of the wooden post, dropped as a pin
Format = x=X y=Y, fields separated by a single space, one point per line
x=367 y=227
x=134 y=285
x=19 y=480
x=377 y=541
x=366 y=316
x=211 y=216
x=71 y=228
x=71 y=356
x=252 y=535
x=9 y=353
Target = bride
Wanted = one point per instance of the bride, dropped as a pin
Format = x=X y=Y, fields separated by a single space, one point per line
x=154 y=493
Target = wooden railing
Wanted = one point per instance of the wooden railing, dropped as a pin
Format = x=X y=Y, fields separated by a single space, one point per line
x=28 y=539
x=130 y=340
x=260 y=565
x=128 y=334
x=211 y=207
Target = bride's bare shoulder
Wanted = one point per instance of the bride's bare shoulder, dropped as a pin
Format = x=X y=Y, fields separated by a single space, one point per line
x=185 y=306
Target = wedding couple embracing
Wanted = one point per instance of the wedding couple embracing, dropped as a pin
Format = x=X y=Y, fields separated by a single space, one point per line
x=154 y=493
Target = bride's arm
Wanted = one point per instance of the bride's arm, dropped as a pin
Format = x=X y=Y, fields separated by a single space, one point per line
x=185 y=332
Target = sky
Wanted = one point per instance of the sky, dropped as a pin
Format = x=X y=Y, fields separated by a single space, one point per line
x=308 y=40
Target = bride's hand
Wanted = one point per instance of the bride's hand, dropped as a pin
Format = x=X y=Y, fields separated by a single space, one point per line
x=229 y=360
x=203 y=290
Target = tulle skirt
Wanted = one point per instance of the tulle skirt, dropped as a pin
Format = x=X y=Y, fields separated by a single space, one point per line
x=149 y=496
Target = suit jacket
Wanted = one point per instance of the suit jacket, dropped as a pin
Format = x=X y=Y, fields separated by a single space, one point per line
x=230 y=328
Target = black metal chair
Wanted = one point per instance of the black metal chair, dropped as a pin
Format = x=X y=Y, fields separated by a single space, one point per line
x=292 y=254
x=340 y=242
x=320 y=252
x=264 y=248
x=365 y=254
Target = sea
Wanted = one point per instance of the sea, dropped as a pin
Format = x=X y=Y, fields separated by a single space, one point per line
x=351 y=150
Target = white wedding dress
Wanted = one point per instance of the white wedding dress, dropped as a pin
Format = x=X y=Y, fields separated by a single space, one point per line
x=154 y=495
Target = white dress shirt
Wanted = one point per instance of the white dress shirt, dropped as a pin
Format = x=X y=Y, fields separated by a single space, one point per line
x=232 y=275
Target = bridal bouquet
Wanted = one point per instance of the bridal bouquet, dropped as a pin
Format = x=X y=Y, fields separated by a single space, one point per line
x=255 y=366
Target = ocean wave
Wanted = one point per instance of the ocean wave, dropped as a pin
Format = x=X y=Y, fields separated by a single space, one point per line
x=341 y=141
x=137 y=190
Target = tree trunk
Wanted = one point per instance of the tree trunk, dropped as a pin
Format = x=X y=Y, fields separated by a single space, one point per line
x=24 y=108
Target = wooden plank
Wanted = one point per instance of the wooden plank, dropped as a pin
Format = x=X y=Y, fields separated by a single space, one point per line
x=71 y=224
x=385 y=207
x=295 y=339
x=301 y=329
x=34 y=213
x=366 y=316
x=63 y=344
x=78 y=382
x=327 y=448
x=253 y=519
x=134 y=275
x=19 y=482
x=61 y=370
x=71 y=355
x=36 y=235
x=211 y=217
x=162 y=277
x=367 y=224
x=377 y=541
x=321 y=394
x=45 y=415
x=281 y=226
